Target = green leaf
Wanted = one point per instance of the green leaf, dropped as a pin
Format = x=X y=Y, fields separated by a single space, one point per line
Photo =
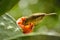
x=8 y=27
x=38 y=37
x=6 y=5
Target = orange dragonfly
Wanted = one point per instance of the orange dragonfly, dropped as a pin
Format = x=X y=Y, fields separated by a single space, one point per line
x=27 y=23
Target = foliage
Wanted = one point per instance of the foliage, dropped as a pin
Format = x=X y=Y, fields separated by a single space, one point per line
x=48 y=29
x=6 y=5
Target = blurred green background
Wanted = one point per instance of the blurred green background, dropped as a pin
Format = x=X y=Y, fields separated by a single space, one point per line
x=11 y=10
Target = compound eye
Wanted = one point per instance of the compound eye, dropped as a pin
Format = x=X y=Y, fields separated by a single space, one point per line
x=23 y=18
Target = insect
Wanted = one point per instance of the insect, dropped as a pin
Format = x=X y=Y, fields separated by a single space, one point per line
x=26 y=28
x=27 y=23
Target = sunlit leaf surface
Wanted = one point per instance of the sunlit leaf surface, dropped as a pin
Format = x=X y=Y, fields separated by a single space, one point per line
x=8 y=27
